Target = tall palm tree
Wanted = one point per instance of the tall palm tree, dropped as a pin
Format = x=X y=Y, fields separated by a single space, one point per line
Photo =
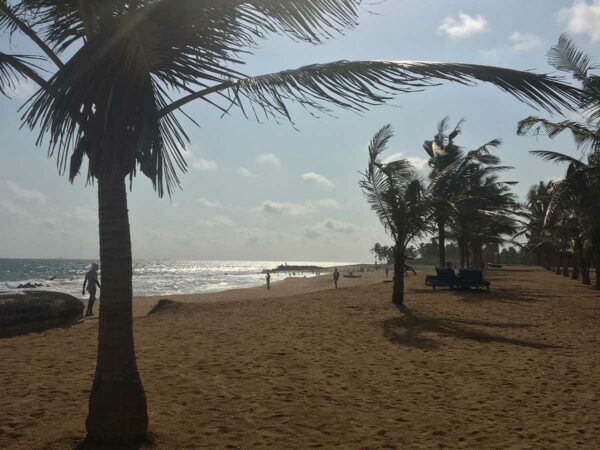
x=537 y=202
x=580 y=188
x=397 y=195
x=111 y=103
x=442 y=152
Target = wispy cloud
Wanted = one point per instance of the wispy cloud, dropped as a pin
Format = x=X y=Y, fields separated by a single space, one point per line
x=297 y=209
x=196 y=162
x=462 y=26
x=582 y=18
x=524 y=42
x=216 y=221
x=419 y=164
x=22 y=193
x=268 y=158
x=210 y=203
x=317 y=180
x=245 y=172
x=518 y=42
x=204 y=165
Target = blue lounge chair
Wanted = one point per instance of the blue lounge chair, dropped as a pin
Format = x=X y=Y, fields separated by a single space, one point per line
x=445 y=278
x=471 y=279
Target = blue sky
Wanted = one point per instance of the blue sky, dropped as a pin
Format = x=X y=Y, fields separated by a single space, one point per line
x=269 y=191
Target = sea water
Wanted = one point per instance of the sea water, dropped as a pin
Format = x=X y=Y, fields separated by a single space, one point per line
x=150 y=277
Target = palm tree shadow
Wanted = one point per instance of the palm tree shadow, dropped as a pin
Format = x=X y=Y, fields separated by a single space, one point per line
x=409 y=331
x=86 y=444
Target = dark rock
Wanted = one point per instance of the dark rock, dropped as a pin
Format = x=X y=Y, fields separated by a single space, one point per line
x=29 y=311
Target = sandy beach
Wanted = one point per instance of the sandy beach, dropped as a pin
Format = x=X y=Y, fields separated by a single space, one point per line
x=307 y=366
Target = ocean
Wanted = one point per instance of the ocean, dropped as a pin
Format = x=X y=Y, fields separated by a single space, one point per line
x=150 y=277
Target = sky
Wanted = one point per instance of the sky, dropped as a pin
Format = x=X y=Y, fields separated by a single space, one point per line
x=273 y=191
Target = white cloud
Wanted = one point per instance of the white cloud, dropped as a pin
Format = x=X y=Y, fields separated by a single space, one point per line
x=204 y=164
x=463 y=26
x=217 y=221
x=21 y=193
x=297 y=209
x=317 y=180
x=245 y=172
x=524 y=42
x=419 y=164
x=210 y=203
x=196 y=162
x=15 y=210
x=283 y=208
x=268 y=158
x=582 y=18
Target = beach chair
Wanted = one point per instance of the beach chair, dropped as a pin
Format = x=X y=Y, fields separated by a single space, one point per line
x=445 y=278
x=471 y=279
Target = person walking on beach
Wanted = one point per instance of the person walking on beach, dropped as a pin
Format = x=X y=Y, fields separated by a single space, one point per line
x=387 y=270
x=336 y=277
x=91 y=280
x=268 y=281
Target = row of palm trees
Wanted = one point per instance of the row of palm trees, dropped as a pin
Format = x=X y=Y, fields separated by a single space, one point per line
x=112 y=78
x=464 y=200
x=564 y=215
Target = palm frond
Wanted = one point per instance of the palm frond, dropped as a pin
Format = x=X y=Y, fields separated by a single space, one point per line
x=567 y=57
x=358 y=85
x=556 y=157
x=15 y=69
x=583 y=135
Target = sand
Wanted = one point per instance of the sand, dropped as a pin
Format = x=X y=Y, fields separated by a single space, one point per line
x=515 y=368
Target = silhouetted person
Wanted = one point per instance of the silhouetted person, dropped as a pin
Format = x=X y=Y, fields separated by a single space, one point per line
x=336 y=277
x=268 y=281
x=387 y=270
x=91 y=280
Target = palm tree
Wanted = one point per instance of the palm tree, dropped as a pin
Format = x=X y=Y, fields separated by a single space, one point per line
x=479 y=208
x=579 y=191
x=397 y=195
x=110 y=103
x=538 y=200
x=376 y=250
x=442 y=152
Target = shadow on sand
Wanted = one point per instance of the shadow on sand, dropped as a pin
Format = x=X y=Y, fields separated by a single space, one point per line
x=409 y=331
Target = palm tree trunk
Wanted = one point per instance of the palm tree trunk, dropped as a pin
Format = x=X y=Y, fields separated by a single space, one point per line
x=117 y=406
x=442 y=242
x=398 y=290
x=577 y=259
x=585 y=267
x=597 y=262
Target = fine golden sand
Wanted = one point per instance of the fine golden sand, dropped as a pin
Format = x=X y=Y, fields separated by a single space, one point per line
x=305 y=366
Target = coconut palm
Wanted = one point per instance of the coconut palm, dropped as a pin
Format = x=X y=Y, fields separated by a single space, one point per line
x=114 y=100
x=397 y=195
x=578 y=193
x=479 y=208
x=442 y=152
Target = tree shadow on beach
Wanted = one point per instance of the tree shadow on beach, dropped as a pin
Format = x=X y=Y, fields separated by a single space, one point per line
x=409 y=331
x=502 y=296
x=80 y=443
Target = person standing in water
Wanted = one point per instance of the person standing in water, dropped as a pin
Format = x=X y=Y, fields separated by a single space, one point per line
x=336 y=277
x=91 y=280
x=269 y=281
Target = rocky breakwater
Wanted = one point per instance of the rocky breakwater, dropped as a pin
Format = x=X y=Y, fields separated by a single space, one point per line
x=28 y=311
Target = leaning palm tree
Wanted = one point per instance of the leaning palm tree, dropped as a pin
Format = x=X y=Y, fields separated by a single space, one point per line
x=397 y=195
x=113 y=77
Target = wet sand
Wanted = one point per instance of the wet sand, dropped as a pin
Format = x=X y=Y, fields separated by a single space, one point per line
x=302 y=367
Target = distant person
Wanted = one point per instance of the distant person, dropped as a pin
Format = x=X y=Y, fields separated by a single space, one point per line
x=387 y=271
x=91 y=280
x=268 y=281
x=336 y=277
